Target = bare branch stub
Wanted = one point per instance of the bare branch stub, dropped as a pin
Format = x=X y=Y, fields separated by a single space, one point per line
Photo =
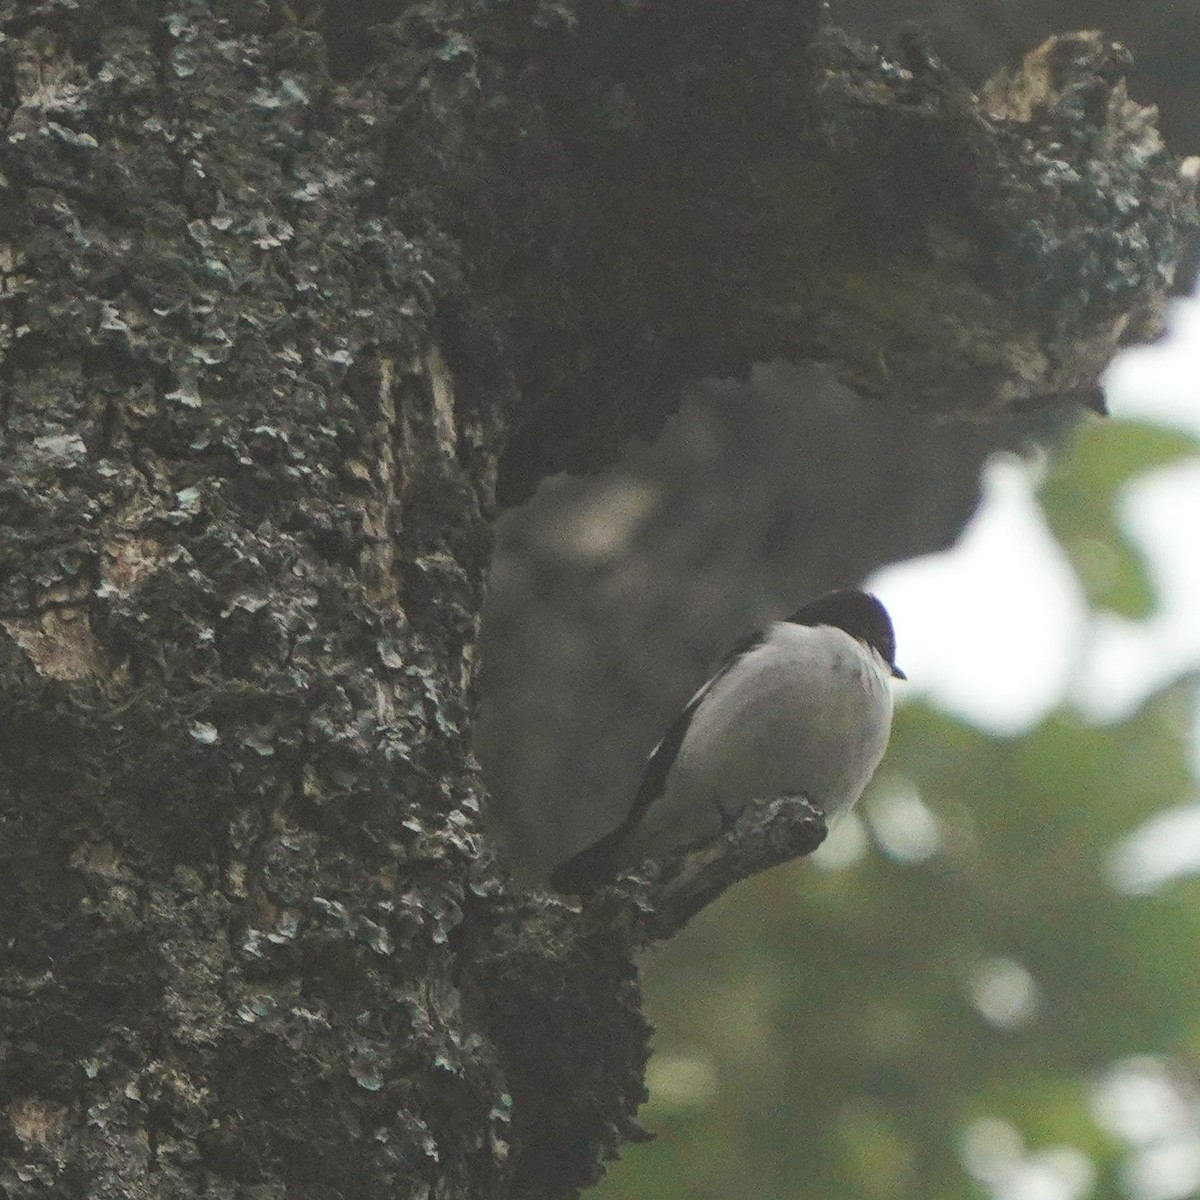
x=558 y=991
x=766 y=834
x=656 y=902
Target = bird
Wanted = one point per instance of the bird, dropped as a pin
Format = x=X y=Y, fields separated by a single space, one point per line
x=803 y=708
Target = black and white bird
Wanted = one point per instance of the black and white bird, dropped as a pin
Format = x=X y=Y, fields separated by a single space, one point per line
x=803 y=708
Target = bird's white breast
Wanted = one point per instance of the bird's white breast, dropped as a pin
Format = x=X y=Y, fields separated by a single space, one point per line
x=807 y=712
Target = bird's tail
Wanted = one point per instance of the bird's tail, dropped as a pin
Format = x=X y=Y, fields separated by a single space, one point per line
x=590 y=869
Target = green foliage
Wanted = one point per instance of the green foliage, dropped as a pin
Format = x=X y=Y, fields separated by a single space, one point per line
x=822 y=1032
x=1080 y=497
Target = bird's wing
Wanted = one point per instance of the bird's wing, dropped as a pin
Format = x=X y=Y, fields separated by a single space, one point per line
x=593 y=866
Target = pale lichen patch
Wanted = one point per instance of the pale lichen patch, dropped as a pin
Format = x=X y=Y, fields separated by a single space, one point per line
x=35 y=1122
x=59 y=643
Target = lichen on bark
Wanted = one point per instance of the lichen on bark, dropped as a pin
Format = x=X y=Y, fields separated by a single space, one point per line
x=246 y=536
x=290 y=293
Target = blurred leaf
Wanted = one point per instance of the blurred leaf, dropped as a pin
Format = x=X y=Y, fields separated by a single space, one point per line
x=1079 y=498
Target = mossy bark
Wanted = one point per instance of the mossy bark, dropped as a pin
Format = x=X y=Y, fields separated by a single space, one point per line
x=290 y=292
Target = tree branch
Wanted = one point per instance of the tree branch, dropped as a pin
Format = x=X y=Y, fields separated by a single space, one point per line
x=810 y=198
x=766 y=834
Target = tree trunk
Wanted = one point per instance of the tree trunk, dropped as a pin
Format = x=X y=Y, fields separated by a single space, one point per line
x=291 y=295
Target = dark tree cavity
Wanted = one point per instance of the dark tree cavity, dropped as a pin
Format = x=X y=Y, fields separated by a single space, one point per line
x=294 y=297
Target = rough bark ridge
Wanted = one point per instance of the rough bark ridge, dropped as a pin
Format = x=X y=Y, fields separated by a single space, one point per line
x=242 y=572
x=977 y=36
x=287 y=290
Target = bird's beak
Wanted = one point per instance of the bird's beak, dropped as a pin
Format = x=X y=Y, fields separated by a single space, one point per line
x=897 y=673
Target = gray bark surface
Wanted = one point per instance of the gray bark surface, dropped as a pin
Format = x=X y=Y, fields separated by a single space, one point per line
x=294 y=298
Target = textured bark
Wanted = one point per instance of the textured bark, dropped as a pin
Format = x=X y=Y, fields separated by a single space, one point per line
x=245 y=544
x=288 y=295
x=977 y=37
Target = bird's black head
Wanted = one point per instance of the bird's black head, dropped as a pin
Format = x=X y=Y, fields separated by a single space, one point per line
x=858 y=613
